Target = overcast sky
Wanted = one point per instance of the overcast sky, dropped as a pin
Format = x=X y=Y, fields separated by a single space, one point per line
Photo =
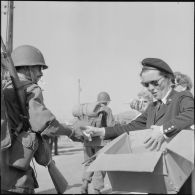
x=102 y=43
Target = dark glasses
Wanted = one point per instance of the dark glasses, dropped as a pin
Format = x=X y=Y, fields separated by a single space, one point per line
x=155 y=83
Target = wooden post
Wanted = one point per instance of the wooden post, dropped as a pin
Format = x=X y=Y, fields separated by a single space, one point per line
x=9 y=30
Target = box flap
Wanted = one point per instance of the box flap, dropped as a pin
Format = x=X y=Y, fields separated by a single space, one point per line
x=183 y=145
x=144 y=162
x=179 y=169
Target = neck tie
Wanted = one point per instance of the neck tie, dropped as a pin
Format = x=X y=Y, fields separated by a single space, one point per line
x=158 y=106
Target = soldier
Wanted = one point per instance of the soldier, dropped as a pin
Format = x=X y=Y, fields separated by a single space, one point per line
x=54 y=141
x=15 y=176
x=91 y=147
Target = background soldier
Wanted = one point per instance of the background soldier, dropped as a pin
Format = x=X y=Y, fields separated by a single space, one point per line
x=17 y=176
x=91 y=147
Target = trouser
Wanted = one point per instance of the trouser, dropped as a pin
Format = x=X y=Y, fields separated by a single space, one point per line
x=54 y=140
x=98 y=180
x=98 y=176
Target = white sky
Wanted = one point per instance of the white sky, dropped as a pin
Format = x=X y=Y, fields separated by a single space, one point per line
x=102 y=43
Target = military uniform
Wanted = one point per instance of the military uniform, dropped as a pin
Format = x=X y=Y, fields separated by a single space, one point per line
x=12 y=180
x=41 y=120
x=92 y=147
x=20 y=137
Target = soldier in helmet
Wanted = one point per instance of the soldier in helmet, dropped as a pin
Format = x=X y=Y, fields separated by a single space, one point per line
x=91 y=147
x=104 y=99
x=29 y=63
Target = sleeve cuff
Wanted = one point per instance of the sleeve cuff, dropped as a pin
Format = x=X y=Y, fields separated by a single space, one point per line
x=162 y=131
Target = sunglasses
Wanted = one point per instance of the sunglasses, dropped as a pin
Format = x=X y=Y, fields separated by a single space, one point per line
x=155 y=83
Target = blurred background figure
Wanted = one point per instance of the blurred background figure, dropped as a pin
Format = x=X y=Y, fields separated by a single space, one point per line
x=137 y=106
x=96 y=114
x=53 y=141
x=144 y=98
x=182 y=82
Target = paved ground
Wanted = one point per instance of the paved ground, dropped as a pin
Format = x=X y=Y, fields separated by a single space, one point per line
x=69 y=162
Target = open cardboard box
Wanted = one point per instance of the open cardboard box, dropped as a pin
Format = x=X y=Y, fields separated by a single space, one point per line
x=133 y=168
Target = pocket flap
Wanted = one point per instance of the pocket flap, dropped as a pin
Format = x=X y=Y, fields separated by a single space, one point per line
x=28 y=140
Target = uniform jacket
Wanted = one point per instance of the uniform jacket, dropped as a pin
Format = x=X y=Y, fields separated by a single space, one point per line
x=107 y=121
x=109 y=118
x=175 y=115
x=40 y=117
x=41 y=120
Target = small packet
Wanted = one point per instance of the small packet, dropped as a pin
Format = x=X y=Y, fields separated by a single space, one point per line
x=88 y=135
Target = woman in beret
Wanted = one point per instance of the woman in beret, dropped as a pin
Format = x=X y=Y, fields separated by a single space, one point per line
x=167 y=115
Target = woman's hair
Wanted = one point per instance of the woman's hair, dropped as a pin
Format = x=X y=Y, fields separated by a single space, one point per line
x=183 y=80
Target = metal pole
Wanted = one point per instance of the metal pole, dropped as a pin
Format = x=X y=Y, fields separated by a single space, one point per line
x=79 y=91
x=9 y=32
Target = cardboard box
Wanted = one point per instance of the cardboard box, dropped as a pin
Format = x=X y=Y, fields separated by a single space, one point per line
x=133 y=168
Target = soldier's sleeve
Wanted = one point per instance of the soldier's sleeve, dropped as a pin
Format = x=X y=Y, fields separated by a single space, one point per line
x=137 y=124
x=184 y=119
x=41 y=118
x=55 y=128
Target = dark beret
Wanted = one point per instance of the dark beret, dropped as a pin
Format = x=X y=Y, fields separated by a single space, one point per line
x=158 y=64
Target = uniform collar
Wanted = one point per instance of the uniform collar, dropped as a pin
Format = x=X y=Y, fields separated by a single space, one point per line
x=164 y=99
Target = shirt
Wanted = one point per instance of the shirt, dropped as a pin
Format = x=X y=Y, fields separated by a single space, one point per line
x=164 y=101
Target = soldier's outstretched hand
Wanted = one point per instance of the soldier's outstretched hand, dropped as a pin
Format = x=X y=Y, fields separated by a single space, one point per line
x=77 y=135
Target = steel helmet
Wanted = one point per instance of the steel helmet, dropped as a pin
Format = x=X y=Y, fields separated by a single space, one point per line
x=27 y=55
x=103 y=97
